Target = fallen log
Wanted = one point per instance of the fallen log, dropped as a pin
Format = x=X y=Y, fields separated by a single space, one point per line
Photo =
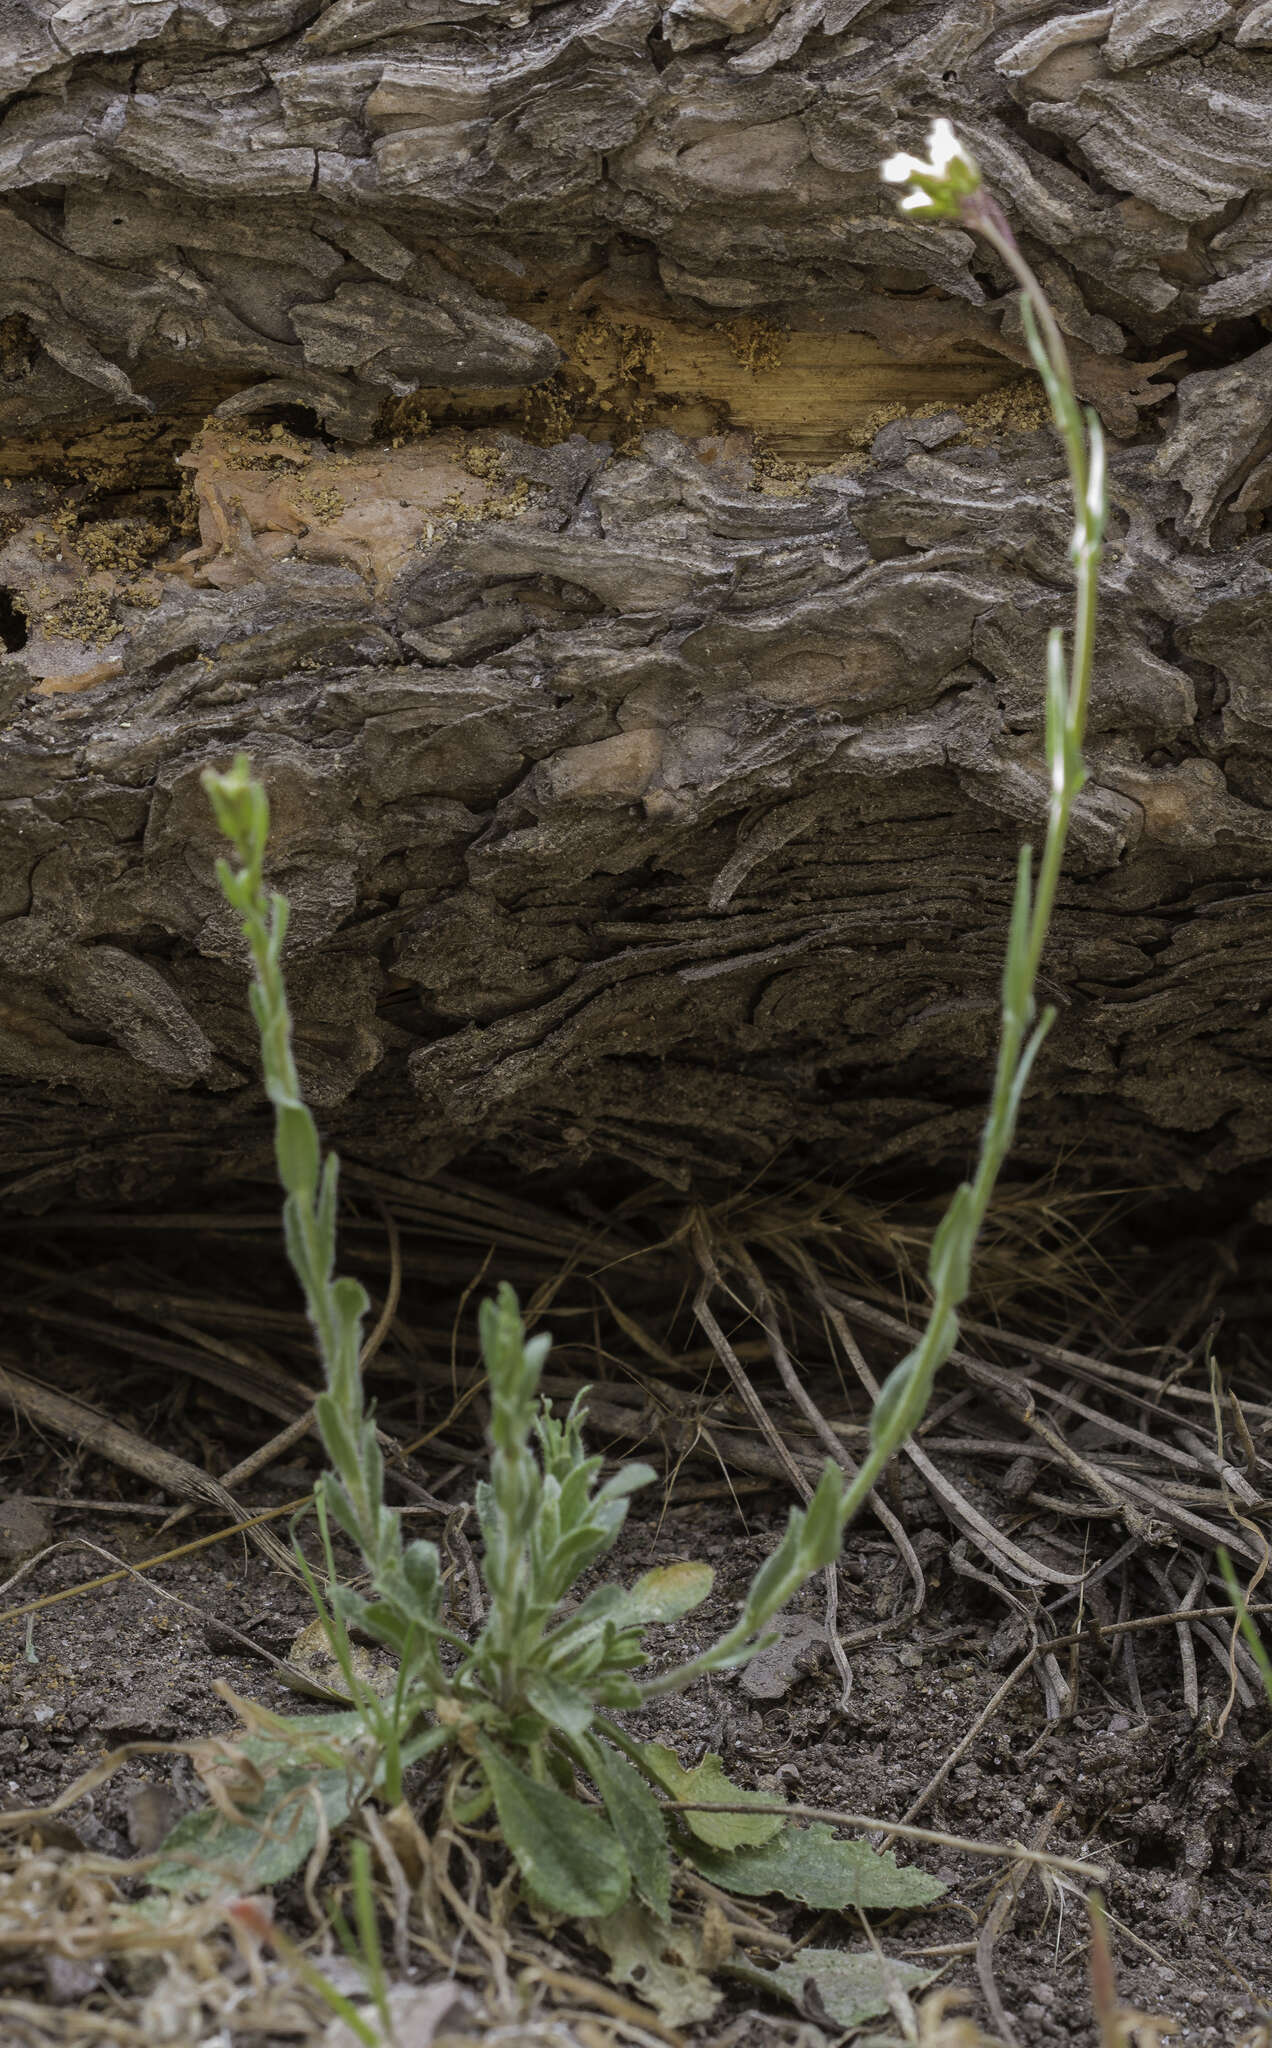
x=626 y=549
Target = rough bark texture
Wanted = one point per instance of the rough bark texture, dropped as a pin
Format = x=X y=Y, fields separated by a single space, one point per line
x=626 y=547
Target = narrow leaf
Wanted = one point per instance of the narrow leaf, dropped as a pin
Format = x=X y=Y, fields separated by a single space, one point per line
x=778 y=1577
x=891 y=1398
x=1056 y=709
x=1017 y=995
x=568 y=1854
x=1096 y=503
x=822 y=1533
x=615 y=1689
x=638 y=1822
x=950 y=1260
x=295 y=1147
x=627 y=1480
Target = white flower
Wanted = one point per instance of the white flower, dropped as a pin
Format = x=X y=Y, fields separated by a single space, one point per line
x=938 y=186
x=944 y=145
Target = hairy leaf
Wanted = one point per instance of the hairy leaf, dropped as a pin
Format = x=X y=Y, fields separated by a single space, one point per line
x=638 y=1822
x=707 y=1781
x=659 y=1963
x=666 y=1593
x=848 y=1986
x=562 y=1706
x=819 y=1869
x=568 y=1854
x=205 y=1852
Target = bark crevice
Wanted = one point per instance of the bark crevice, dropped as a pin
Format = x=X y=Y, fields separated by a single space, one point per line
x=626 y=547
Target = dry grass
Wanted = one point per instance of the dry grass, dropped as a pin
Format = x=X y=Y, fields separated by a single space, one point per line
x=1101 y=1450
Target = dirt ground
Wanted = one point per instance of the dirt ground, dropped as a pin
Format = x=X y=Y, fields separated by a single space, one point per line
x=1124 y=1750
x=1180 y=1816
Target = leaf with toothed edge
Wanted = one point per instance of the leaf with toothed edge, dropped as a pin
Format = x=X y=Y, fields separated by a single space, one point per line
x=819 y=1869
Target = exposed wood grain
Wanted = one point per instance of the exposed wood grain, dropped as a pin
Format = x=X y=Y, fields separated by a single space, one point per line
x=627 y=548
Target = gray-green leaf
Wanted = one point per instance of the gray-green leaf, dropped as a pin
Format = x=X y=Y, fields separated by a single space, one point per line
x=849 y=1987
x=816 y=1867
x=207 y=1853
x=568 y=1854
x=638 y=1822
x=666 y=1593
x=660 y=1963
x=562 y=1706
x=708 y=1782
x=663 y=1594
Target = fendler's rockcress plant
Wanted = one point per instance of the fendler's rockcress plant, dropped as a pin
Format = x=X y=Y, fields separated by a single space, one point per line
x=527 y=1703
x=527 y=1707
x=949 y=187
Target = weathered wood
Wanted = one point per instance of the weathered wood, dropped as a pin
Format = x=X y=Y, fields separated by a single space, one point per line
x=626 y=547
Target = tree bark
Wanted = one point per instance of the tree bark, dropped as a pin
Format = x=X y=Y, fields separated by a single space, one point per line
x=626 y=548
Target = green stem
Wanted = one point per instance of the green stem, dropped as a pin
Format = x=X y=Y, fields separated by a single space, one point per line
x=903 y=1399
x=1021 y=1036
x=985 y=217
x=738 y=1639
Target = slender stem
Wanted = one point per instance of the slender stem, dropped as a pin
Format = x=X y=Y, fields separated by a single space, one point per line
x=982 y=213
x=1084 y=452
x=901 y=1404
x=744 y=1633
